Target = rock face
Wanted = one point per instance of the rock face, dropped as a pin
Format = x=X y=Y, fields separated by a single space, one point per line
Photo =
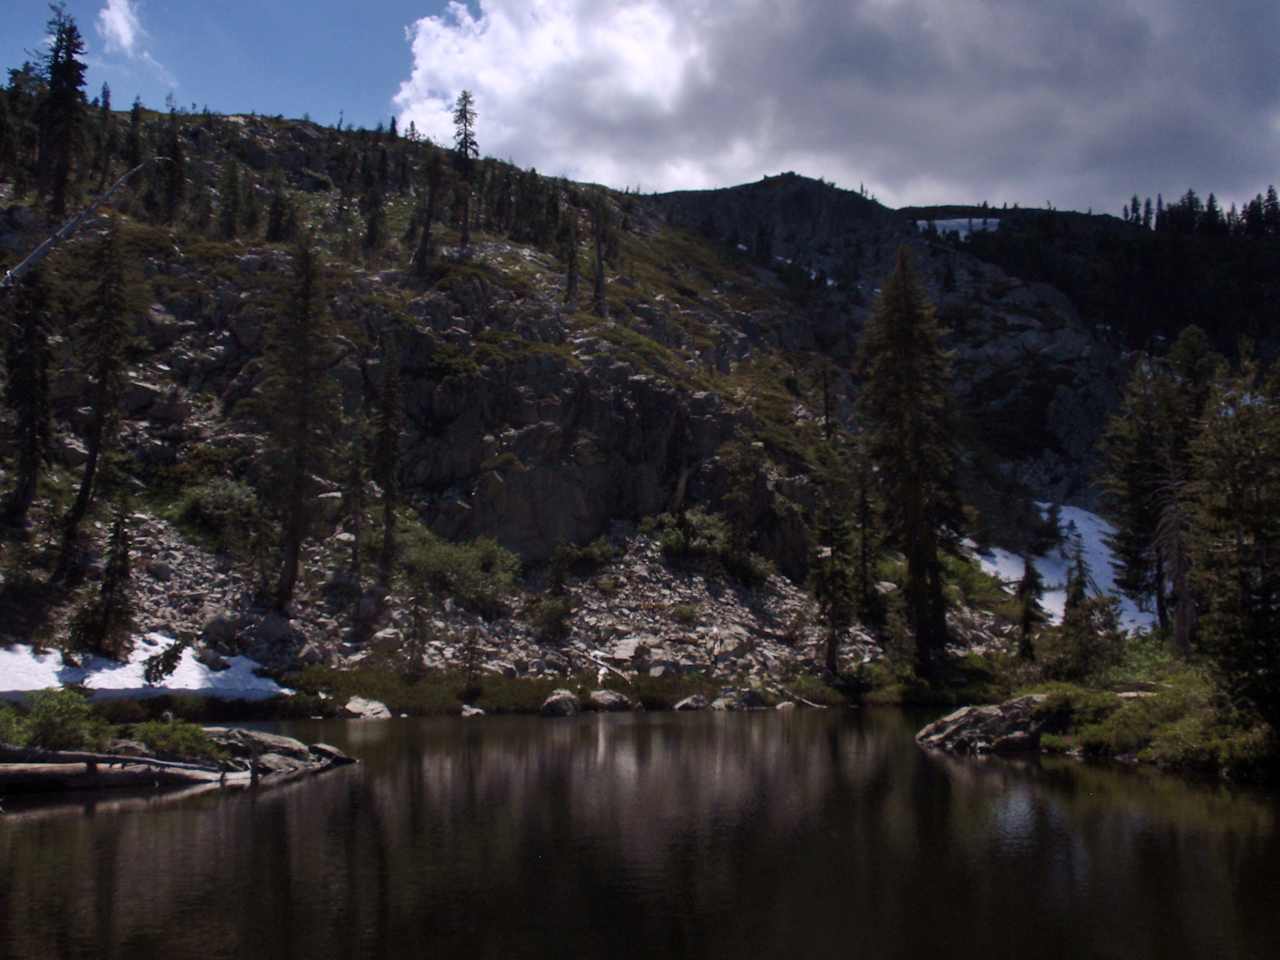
x=561 y=703
x=359 y=708
x=275 y=757
x=1009 y=727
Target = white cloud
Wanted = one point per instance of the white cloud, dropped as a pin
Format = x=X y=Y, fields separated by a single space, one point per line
x=120 y=28
x=921 y=100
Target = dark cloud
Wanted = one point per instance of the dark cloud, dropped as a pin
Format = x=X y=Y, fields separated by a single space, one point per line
x=1080 y=104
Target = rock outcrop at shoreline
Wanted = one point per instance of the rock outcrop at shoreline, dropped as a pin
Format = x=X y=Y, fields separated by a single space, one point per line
x=252 y=758
x=1004 y=728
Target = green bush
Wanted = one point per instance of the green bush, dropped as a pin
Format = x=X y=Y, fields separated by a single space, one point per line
x=63 y=720
x=12 y=728
x=550 y=616
x=701 y=538
x=176 y=739
x=686 y=613
x=1069 y=707
x=225 y=511
x=479 y=575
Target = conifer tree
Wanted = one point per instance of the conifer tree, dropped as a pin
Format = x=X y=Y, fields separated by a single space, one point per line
x=466 y=151
x=435 y=183
x=62 y=132
x=133 y=138
x=27 y=390
x=833 y=564
x=103 y=345
x=105 y=146
x=8 y=140
x=599 y=233
x=229 y=207
x=105 y=624
x=375 y=234
x=1235 y=540
x=909 y=439
x=386 y=465
x=299 y=400
x=1031 y=613
x=175 y=171
x=278 y=213
x=571 y=256
x=354 y=492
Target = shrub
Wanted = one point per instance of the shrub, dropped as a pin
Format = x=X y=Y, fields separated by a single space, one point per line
x=479 y=575
x=1089 y=642
x=550 y=617
x=697 y=537
x=177 y=739
x=686 y=613
x=225 y=511
x=12 y=728
x=63 y=720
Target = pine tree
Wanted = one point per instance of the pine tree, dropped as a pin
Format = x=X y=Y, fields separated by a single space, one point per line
x=278 y=213
x=1031 y=613
x=105 y=624
x=175 y=171
x=105 y=146
x=27 y=391
x=1235 y=539
x=103 y=344
x=1271 y=213
x=599 y=233
x=133 y=138
x=909 y=439
x=8 y=141
x=62 y=133
x=833 y=565
x=299 y=400
x=466 y=151
x=422 y=257
x=375 y=234
x=229 y=206
x=571 y=257
x=386 y=466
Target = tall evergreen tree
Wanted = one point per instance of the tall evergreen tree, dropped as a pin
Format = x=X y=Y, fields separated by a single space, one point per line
x=175 y=171
x=229 y=209
x=105 y=624
x=299 y=400
x=62 y=128
x=833 y=564
x=1031 y=613
x=1235 y=540
x=466 y=150
x=571 y=257
x=133 y=138
x=103 y=344
x=388 y=426
x=599 y=234
x=106 y=136
x=909 y=439
x=27 y=390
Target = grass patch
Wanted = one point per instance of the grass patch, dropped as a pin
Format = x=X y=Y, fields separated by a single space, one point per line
x=176 y=740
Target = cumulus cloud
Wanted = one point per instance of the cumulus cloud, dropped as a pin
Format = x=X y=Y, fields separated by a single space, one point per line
x=120 y=28
x=922 y=100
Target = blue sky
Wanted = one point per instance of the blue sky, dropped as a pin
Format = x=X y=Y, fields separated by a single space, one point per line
x=269 y=56
x=1079 y=104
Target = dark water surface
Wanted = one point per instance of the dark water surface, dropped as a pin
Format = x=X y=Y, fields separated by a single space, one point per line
x=806 y=835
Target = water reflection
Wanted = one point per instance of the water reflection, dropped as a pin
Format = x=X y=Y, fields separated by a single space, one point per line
x=677 y=835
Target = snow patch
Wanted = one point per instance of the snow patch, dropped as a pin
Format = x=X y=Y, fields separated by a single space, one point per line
x=1090 y=530
x=23 y=670
x=963 y=226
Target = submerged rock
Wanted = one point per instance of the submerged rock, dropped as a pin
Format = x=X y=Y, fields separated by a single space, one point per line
x=1009 y=727
x=561 y=703
x=695 y=702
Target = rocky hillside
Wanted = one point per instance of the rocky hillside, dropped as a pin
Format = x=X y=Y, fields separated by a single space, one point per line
x=529 y=420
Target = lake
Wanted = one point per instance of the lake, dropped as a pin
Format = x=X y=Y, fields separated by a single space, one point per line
x=810 y=834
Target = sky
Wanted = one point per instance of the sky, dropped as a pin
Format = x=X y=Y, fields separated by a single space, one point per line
x=1079 y=104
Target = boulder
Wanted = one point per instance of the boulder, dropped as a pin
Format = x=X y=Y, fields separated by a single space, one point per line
x=1009 y=727
x=561 y=703
x=360 y=708
x=786 y=706
x=469 y=711
x=610 y=701
x=695 y=702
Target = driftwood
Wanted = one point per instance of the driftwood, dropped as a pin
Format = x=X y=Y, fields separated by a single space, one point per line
x=18 y=755
x=12 y=277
